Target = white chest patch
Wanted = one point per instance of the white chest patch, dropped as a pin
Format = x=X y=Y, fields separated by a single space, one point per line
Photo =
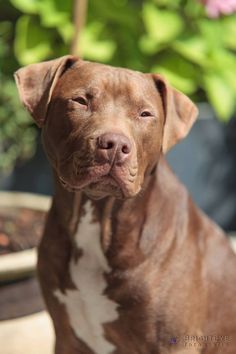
x=87 y=306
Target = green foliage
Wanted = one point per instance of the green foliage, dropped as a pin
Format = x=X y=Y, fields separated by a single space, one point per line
x=17 y=135
x=93 y=49
x=32 y=43
x=158 y=32
x=173 y=37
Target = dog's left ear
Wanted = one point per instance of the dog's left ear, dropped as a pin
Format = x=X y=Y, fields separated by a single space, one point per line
x=36 y=82
x=180 y=113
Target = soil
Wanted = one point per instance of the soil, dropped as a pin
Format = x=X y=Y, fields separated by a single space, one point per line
x=20 y=229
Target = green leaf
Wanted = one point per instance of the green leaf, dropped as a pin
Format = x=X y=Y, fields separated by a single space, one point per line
x=148 y=45
x=66 y=32
x=55 y=13
x=178 y=71
x=222 y=59
x=229 y=31
x=94 y=48
x=121 y=13
x=179 y=82
x=170 y=3
x=220 y=95
x=32 y=42
x=26 y=6
x=212 y=32
x=194 y=48
x=231 y=79
x=15 y=122
x=162 y=25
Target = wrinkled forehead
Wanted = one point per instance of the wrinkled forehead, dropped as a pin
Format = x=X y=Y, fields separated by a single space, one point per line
x=97 y=79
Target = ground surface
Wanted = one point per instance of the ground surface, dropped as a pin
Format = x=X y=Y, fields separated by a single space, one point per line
x=31 y=334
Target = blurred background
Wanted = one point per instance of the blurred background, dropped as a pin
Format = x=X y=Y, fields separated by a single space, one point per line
x=191 y=42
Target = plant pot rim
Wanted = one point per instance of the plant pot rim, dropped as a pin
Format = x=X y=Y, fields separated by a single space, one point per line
x=233 y=240
x=18 y=265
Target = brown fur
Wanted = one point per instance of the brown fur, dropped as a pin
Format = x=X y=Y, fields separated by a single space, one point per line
x=173 y=272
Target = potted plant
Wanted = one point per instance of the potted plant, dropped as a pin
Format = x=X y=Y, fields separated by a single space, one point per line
x=22 y=217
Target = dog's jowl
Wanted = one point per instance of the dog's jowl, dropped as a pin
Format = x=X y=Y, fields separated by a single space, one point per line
x=127 y=263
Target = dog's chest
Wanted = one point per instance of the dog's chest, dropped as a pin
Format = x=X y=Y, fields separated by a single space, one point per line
x=87 y=306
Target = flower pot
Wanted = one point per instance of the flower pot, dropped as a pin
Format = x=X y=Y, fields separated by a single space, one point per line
x=24 y=327
x=17 y=257
x=233 y=240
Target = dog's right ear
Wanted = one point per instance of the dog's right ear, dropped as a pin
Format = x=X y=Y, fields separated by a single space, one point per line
x=180 y=113
x=36 y=82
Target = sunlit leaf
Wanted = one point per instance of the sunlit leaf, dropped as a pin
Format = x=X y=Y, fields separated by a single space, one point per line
x=55 y=13
x=66 y=32
x=194 y=49
x=220 y=95
x=180 y=83
x=229 y=31
x=93 y=48
x=31 y=41
x=122 y=13
x=26 y=6
x=179 y=72
x=212 y=32
x=162 y=25
x=148 y=45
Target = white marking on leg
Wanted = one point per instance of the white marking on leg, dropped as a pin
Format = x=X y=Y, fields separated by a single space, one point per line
x=87 y=306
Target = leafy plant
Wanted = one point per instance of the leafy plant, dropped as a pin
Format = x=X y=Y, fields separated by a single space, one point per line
x=17 y=135
x=173 y=37
x=195 y=53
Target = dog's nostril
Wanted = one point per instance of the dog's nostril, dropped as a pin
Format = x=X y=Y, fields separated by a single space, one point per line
x=105 y=144
x=125 y=149
x=109 y=145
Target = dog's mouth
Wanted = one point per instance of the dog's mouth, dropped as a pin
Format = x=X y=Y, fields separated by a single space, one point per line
x=103 y=181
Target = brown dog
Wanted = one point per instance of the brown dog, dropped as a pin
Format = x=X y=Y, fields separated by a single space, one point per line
x=127 y=263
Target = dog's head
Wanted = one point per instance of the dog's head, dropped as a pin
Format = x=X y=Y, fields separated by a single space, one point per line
x=104 y=128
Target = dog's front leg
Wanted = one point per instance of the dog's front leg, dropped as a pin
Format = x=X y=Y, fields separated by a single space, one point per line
x=53 y=270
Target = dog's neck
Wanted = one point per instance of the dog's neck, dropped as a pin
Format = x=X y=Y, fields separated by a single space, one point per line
x=124 y=240
x=120 y=220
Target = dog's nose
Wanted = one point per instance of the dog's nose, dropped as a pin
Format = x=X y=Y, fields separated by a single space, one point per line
x=113 y=147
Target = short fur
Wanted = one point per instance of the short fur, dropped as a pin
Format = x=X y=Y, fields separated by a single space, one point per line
x=148 y=273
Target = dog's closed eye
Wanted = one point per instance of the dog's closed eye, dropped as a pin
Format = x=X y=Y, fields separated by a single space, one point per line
x=146 y=114
x=81 y=100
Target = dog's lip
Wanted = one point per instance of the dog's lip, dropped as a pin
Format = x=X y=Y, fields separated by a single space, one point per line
x=108 y=175
x=122 y=184
x=108 y=178
x=79 y=187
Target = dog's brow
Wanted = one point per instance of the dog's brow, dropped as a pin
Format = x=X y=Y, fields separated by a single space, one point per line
x=93 y=91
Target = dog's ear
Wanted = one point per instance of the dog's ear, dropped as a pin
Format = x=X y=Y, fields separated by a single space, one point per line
x=36 y=82
x=180 y=113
